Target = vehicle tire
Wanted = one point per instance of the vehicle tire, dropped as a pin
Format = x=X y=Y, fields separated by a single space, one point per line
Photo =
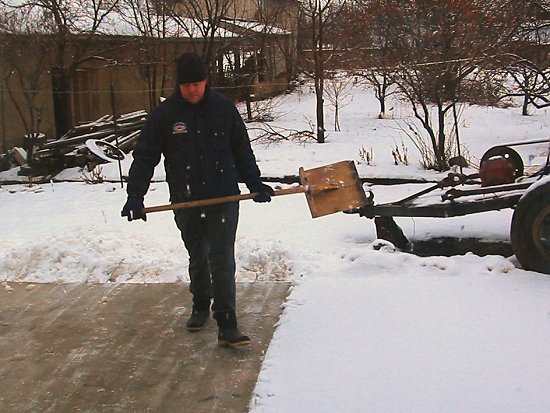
x=530 y=229
x=507 y=153
x=105 y=150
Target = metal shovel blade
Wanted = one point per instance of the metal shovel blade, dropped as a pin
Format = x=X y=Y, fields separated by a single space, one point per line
x=344 y=189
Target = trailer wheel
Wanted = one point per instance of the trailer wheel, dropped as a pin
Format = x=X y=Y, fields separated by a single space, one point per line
x=530 y=230
x=105 y=150
x=507 y=153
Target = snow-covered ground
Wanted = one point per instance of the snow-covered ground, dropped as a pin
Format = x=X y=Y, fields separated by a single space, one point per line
x=366 y=328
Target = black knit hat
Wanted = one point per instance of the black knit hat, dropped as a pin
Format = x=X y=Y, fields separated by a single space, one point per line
x=190 y=68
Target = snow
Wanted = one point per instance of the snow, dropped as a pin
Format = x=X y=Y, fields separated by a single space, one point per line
x=366 y=328
x=541 y=182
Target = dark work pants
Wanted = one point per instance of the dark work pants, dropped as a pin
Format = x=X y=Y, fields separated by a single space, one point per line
x=209 y=236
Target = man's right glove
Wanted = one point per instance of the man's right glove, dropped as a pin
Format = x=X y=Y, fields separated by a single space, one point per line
x=133 y=209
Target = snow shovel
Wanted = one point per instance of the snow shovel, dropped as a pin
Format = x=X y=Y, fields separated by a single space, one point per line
x=329 y=189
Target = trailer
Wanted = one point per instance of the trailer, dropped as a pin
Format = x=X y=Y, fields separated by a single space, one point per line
x=501 y=183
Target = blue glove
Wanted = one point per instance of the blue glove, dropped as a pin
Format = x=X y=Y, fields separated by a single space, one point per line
x=264 y=192
x=133 y=209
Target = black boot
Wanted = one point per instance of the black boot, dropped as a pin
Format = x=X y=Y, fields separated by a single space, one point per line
x=229 y=334
x=198 y=318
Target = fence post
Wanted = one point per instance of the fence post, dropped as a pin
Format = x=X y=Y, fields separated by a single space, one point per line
x=3 y=115
x=113 y=109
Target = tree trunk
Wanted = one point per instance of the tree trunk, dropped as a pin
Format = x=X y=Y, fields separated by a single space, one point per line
x=525 y=107
x=319 y=75
x=382 y=101
x=382 y=90
x=248 y=103
x=320 y=114
x=61 y=101
x=4 y=147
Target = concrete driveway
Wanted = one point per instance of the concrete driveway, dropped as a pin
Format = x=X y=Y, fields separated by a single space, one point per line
x=124 y=348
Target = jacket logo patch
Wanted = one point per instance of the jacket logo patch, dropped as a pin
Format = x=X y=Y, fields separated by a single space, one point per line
x=179 y=128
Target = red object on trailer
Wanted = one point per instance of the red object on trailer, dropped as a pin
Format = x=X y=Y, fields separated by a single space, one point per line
x=496 y=171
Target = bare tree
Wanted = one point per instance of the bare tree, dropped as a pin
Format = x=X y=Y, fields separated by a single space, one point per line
x=381 y=80
x=338 y=91
x=532 y=83
x=316 y=15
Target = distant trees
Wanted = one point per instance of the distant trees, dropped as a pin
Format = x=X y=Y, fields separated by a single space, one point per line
x=60 y=21
x=436 y=52
x=20 y=76
x=264 y=50
x=202 y=21
x=368 y=32
x=316 y=17
x=149 y=19
x=530 y=69
x=70 y=63
x=338 y=91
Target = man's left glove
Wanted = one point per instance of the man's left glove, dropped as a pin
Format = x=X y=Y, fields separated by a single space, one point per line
x=264 y=192
x=133 y=209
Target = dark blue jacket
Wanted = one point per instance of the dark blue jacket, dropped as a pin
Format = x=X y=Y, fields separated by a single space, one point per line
x=206 y=149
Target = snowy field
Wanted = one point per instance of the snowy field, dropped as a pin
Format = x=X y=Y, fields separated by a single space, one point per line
x=366 y=328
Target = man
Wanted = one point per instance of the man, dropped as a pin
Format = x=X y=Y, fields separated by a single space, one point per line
x=206 y=153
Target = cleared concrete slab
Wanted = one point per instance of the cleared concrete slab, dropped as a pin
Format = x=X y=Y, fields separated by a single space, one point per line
x=124 y=348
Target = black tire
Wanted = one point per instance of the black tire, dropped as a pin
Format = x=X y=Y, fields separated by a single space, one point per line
x=507 y=153
x=530 y=229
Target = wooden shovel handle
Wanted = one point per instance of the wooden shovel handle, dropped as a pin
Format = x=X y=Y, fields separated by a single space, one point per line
x=220 y=200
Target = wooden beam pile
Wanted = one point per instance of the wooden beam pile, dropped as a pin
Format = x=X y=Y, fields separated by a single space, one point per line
x=70 y=150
